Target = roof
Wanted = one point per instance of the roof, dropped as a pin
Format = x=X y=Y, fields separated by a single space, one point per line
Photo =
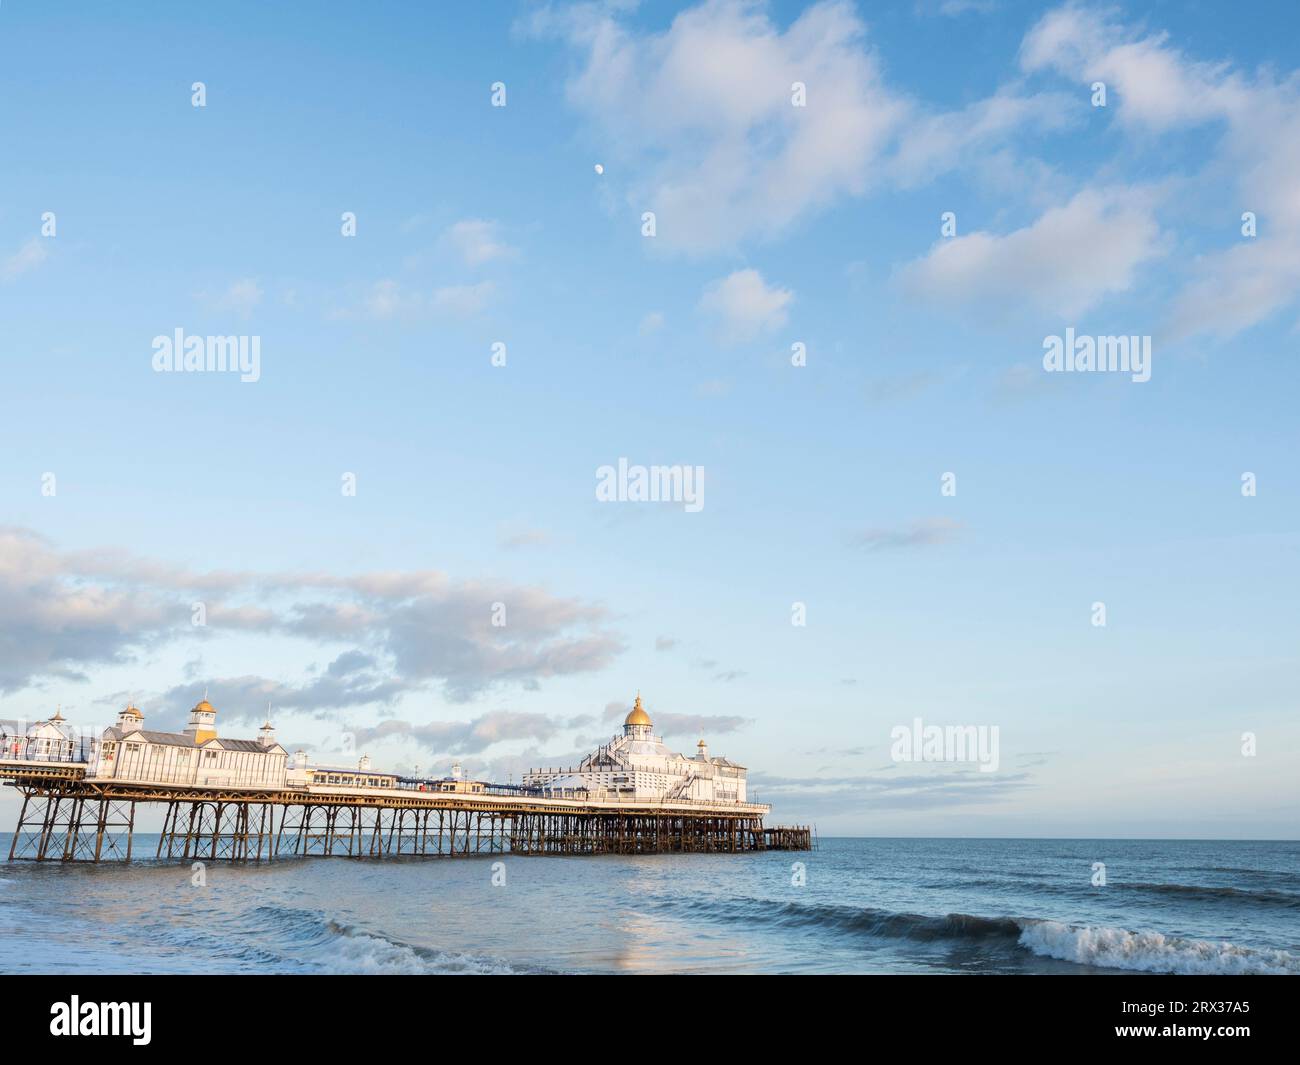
x=185 y=739
x=165 y=739
x=244 y=745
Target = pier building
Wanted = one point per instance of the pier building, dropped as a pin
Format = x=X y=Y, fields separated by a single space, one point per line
x=638 y=765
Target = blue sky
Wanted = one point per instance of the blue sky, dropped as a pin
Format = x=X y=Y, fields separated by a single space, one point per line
x=369 y=616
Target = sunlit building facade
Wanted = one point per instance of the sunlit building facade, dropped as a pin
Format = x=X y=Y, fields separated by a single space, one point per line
x=638 y=765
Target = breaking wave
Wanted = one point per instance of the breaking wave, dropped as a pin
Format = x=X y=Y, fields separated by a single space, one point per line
x=309 y=937
x=1097 y=946
x=355 y=951
x=1151 y=952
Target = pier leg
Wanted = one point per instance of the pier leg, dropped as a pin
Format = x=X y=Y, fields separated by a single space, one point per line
x=168 y=818
x=18 y=828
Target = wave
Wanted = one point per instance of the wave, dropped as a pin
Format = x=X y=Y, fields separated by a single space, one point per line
x=288 y=939
x=867 y=921
x=355 y=951
x=1152 y=952
x=339 y=948
x=1266 y=897
x=1097 y=946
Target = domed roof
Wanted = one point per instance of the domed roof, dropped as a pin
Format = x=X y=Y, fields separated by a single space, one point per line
x=205 y=707
x=132 y=711
x=638 y=716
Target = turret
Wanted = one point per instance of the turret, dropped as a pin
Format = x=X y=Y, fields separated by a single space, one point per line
x=202 y=725
x=130 y=719
x=266 y=735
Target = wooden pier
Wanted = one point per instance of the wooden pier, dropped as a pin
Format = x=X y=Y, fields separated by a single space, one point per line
x=66 y=817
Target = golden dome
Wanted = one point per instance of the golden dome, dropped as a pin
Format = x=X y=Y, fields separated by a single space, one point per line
x=637 y=716
x=205 y=707
x=132 y=711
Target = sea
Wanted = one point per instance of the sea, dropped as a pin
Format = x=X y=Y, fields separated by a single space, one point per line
x=849 y=906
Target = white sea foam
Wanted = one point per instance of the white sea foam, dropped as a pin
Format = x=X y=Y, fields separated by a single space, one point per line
x=360 y=952
x=1151 y=951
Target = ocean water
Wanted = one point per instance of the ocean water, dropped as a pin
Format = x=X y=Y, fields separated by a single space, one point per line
x=868 y=905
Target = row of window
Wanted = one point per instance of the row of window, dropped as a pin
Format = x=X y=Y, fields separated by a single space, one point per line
x=349 y=780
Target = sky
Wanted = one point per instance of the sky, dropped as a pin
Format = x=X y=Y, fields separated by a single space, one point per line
x=815 y=251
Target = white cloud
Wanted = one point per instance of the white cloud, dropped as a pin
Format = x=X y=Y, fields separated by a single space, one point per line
x=464 y=300
x=1064 y=263
x=1238 y=288
x=703 y=113
x=1158 y=89
x=525 y=538
x=384 y=299
x=241 y=297
x=705 y=109
x=478 y=241
x=390 y=299
x=746 y=304
x=26 y=258
x=935 y=143
x=652 y=323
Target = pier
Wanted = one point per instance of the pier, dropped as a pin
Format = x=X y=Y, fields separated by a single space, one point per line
x=67 y=816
